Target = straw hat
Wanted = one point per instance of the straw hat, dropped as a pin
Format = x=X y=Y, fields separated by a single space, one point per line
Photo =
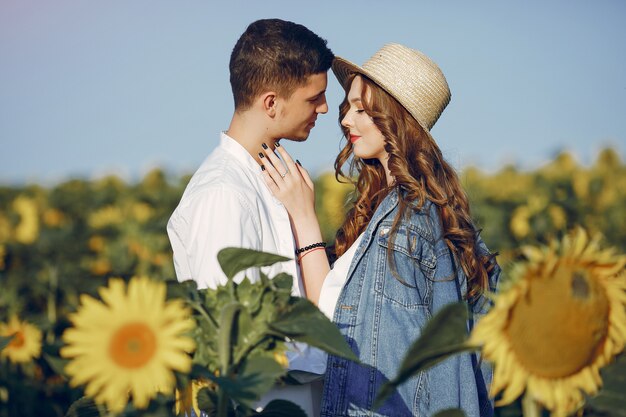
x=408 y=75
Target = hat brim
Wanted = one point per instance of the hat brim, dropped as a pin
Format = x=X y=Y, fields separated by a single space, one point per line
x=343 y=69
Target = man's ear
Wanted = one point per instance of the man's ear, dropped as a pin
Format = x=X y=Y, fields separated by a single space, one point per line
x=269 y=103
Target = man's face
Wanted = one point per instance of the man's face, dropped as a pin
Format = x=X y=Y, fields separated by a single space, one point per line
x=297 y=114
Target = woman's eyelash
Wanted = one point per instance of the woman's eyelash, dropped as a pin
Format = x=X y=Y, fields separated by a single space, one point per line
x=360 y=110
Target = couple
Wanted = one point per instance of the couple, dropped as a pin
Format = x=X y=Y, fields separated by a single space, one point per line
x=407 y=247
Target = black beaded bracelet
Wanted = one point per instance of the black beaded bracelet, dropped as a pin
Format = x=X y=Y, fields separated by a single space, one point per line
x=311 y=246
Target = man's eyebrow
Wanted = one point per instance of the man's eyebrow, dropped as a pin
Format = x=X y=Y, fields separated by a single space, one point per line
x=318 y=94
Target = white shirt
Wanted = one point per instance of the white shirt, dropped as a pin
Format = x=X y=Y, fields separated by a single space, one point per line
x=336 y=279
x=227 y=203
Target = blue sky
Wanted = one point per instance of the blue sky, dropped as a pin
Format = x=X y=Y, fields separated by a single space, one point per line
x=93 y=88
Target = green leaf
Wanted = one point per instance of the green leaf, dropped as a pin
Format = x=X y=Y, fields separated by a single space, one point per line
x=57 y=364
x=444 y=335
x=283 y=282
x=5 y=340
x=234 y=260
x=185 y=289
x=255 y=379
x=282 y=408
x=200 y=371
x=304 y=322
x=450 y=412
x=268 y=370
x=83 y=407
x=610 y=399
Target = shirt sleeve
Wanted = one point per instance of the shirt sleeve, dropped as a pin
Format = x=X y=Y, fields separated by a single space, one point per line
x=214 y=219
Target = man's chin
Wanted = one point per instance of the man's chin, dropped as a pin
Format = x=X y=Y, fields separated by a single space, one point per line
x=298 y=137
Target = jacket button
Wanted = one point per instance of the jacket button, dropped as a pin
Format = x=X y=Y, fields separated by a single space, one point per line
x=384 y=231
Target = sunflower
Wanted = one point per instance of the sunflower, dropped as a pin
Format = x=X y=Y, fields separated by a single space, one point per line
x=131 y=342
x=27 y=231
x=26 y=342
x=187 y=400
x=559 y=322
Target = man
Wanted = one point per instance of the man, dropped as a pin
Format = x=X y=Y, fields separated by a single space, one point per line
x=278 y=75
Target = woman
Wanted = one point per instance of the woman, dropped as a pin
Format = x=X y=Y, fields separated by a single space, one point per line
x=408 y=245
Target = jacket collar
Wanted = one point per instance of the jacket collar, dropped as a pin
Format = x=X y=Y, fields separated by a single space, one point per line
x=388 y=204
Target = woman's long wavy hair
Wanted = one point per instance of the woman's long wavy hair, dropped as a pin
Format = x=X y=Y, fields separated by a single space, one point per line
x=420 y=173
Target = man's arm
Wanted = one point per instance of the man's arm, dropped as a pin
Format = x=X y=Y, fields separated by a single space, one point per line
x=214 y=219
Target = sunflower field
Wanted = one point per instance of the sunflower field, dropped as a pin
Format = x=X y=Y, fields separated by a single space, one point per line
x=73 y=251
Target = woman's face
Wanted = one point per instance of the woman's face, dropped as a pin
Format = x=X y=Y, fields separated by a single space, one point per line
x=367 y=141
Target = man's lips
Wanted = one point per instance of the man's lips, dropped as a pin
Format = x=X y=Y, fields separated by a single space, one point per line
x=354 y=138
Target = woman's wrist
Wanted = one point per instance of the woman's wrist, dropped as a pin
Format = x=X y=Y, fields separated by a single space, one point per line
x=307 y=232
x=304 y=217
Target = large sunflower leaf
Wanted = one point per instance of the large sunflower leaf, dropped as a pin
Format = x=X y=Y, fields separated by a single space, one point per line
x=444 y=335
x=282 y=408
x=304 y=322
x=234 y=260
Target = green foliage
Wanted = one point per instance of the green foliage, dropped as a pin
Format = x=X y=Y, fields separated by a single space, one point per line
x=242 y=328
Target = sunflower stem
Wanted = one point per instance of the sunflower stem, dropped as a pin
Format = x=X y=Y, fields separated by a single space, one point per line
x=530 y=407
x=52 y=304
x=198 y=307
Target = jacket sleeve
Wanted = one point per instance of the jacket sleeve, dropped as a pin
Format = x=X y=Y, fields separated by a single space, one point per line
x=214 y=219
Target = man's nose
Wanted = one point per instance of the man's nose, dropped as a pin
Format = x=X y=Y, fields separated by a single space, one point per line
x=323 y=107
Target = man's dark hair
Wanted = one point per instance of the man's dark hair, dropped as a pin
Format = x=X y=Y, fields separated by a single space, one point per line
x=274 y=54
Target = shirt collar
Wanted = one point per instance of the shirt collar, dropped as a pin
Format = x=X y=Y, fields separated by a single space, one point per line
x=239 y=152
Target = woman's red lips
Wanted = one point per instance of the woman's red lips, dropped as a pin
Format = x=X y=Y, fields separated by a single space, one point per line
x=354 y=138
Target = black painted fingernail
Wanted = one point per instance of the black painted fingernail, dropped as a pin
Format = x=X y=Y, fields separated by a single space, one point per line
x=277 y=145
x=261 y=155
x=298 y=162
x=262 y=167
x=264 y=146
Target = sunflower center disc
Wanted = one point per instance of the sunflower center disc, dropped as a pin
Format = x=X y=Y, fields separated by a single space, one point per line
x=18 y=340
x=132 y=345
x=559 y=326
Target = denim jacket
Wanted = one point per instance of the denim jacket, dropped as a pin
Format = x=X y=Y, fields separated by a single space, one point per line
x=381 y=317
